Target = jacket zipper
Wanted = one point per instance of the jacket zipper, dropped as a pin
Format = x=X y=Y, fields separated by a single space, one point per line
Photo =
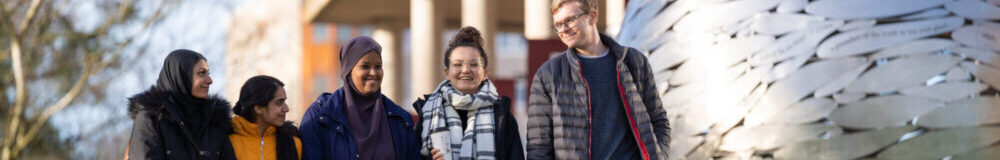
x=628 y=113
x=261 y=147
x=590 y=121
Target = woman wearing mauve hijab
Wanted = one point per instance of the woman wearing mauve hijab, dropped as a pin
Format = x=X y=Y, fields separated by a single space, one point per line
x=357 y=121
x=176 y=118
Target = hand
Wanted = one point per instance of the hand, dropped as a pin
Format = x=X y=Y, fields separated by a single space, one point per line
x=437 y=154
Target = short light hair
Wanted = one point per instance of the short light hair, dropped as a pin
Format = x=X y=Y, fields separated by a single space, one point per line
x=586 y=5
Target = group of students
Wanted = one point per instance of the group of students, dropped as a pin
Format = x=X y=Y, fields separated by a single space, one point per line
x=597 y=100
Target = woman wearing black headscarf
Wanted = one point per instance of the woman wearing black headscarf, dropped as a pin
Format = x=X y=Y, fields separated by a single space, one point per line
x=357 y=121
x=176 y=118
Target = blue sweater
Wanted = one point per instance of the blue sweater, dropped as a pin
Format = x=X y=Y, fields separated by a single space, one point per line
x=611 y=138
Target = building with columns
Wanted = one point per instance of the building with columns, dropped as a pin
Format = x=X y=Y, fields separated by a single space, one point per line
x=413 y=34
x=425 y=21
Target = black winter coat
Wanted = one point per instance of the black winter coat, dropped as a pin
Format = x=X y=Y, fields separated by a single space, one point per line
x=158 y=132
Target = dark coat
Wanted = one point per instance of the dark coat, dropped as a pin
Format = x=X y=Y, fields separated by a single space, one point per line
x=326 y=133
x=559 y=106
x=506 y=136
x=159 y=133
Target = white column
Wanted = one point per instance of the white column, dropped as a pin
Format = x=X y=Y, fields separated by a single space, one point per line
x=389 y=34
x=538 y=20
x=482 y=15
x=425 y=33
x=615 y=14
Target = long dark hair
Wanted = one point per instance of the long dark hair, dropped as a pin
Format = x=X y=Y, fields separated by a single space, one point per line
x=259 y=91
x=468 y=36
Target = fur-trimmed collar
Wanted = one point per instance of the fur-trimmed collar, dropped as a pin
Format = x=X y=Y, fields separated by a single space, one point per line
x=155 y=102
x=244 y=127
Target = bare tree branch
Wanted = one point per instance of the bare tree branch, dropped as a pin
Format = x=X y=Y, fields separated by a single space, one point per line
x=157 y=15
x=18 y=134
x=15 y=117
x=20 y=92
x=7 y=23
x=32 y=10
x=63 y=102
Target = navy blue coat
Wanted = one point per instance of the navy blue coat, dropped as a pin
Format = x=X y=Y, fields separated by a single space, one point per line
x=326 y=133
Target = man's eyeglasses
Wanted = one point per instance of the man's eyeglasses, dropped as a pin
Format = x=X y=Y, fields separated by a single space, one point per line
x=570 y=20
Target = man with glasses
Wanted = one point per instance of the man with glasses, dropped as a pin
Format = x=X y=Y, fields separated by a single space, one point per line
x=597 y=100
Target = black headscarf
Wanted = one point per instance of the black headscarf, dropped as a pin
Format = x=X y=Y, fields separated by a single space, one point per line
x=366 y=114
x=176 y=79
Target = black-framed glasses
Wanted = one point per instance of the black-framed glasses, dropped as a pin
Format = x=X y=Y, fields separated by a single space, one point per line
x=566 y=21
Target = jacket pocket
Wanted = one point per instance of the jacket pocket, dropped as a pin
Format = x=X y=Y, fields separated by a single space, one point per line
x=340 y=141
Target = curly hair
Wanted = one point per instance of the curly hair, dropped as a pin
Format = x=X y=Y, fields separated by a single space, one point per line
x=468 y=36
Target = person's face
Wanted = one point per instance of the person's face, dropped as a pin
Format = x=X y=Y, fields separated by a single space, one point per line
x=574 y=26
x=201 y=80
x=367 y=73
x=274 y=113
x=465 y=70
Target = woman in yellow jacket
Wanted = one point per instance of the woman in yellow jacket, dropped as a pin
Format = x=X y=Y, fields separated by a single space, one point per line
x=259 y=128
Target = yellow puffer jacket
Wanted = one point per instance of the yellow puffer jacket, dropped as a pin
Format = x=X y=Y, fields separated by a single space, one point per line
x=248 y=143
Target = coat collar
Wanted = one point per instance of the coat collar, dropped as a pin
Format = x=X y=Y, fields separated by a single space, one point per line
x=336 y=103
x=614 y=49
x=159 y=103
x=246 y=128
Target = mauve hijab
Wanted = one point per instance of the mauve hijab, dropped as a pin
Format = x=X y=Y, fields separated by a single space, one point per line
x=366 y=114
